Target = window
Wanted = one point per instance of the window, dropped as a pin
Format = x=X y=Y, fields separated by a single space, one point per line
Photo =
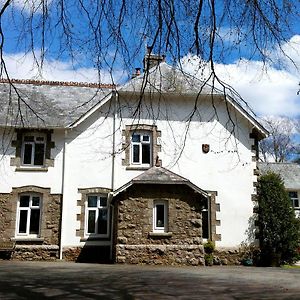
x=205 y=221
x=28 y=219
x=141 y=148
x=96 y=215
x=33 y=149
x=294 y=199
x=160 y=216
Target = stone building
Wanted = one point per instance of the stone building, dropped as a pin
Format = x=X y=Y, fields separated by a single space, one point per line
x=145 y=172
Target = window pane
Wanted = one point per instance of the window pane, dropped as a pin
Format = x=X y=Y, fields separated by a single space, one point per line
x=23 y=221
x=39 y=138
x=39 y=154
x=24 y=201
x=136 y=138
x=92 y=201
x=103 y=201
x=205 y=224
x=29 y=138
x=146 y=138
x=296 y=203
x=91 y=221
x=160 y=215
x=136 y=153
x=35 y=201
x=27 y=154
x=34 y=226
x=102 y=221
x=146 y=154
x=293 y=195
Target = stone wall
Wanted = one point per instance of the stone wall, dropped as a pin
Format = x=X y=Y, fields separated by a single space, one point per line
x=135 y=241
x=90 y=254
x=46 y=245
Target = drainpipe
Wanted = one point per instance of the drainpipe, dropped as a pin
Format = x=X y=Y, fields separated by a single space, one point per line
x=62 y=193
x=115 y=100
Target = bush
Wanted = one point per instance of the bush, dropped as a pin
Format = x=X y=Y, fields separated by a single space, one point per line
x=209 y=247
x=279 y=230
x=209 y=259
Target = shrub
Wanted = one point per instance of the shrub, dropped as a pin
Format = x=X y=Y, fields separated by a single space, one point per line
x=209 y=247
x=279 y=230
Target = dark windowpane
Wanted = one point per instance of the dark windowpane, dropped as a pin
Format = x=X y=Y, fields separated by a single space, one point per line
x=160 y=215
x=102 y=221
x=39 y=138
x=296 y=203
x=27 y=154
x=39 y=154
x=23 y=221
x=35 y=201
x=293 y=194
x=136 y=153
x=146 y=154
x=136 y=138
x=24 y=201
x=146 y=138
x=205 y=224
x=92 y=201
x=103 y=201
x=34 y=226
x=91 y=221
x=28 y=138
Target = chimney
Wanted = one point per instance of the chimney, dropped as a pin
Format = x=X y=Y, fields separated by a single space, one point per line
x=136 y=73
x=152 y=60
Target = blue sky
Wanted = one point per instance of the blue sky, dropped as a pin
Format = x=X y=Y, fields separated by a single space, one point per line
x=270 y=89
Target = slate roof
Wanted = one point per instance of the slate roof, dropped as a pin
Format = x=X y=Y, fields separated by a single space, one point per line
x=167 y=79
x=160 y=175
x=47 y=104
x=289 y=172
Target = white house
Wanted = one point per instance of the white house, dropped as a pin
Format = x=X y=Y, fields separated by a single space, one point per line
x=140 y=173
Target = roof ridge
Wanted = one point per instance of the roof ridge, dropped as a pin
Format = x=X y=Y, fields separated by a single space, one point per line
x=58 y=83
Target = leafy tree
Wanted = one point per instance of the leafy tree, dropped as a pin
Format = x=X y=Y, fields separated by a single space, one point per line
x=279 y=230
x=280 y=146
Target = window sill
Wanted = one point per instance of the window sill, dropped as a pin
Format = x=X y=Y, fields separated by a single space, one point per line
x=160 y=234
x=31 y=169
x=28 y=239
x=137 y=168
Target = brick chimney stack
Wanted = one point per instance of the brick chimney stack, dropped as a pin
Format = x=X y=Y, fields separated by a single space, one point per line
x=152 y=60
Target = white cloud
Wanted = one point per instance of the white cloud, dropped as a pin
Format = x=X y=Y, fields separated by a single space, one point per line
x=266 y=88
x=28 y=6
x=22 y=66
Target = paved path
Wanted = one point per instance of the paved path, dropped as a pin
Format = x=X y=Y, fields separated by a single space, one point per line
x=61 y=280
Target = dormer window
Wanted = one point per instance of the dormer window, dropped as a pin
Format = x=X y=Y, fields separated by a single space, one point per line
x=33 y=149
x=141 y=151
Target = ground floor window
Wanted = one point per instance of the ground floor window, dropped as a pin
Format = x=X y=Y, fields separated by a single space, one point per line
x=160 y=216
x=29 y=214
x=97 y=215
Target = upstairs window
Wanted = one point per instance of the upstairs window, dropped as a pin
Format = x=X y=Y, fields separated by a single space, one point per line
x=33 y=149
x=294 y=199
x=28 y=219
x=141 y=149
x=97 y=215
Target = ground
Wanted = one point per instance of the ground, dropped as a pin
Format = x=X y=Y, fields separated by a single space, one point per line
x=62 y=280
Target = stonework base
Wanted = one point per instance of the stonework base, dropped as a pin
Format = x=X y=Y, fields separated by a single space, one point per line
x=90 y=254
x=228 y=256
x=160 y=254
x=36 y=252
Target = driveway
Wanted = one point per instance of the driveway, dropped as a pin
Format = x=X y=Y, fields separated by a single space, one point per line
x=62 y=280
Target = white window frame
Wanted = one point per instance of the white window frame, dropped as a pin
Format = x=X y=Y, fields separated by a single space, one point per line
x=160 y=228
x=29 y=210
x=97 y=208
x=140 y=144
x=33 y=144
x=294 y=199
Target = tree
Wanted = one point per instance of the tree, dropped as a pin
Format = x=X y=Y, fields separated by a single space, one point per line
x=279 y=230
x=280 y=145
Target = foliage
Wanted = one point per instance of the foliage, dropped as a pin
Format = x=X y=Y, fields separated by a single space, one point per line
x=209 y=248
x=279 y=230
